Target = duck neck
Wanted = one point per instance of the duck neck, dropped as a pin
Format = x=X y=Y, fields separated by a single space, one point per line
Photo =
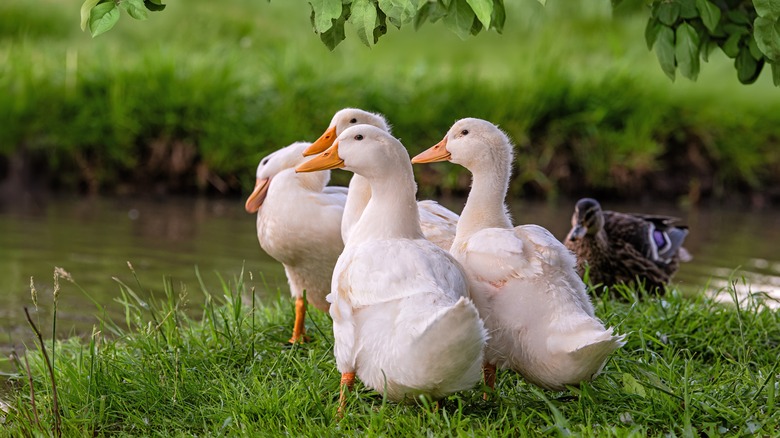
x=311 y=181
x=358 y=196
x=485 y=205
x=391 y=212
x=599 y=240
x=288 y=179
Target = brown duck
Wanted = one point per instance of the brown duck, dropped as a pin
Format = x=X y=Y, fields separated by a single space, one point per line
x=621 y=247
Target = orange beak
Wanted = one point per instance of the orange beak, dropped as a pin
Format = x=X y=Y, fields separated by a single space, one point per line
x=435 y=153
x=327 y=160
x=325 y=141
x=255 y=200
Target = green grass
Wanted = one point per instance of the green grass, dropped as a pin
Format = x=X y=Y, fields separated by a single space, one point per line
x=691 y=367
x=193 y=97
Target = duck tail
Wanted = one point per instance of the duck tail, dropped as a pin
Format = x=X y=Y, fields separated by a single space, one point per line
x=452 y=345
x=593 y=356
x=672 y=246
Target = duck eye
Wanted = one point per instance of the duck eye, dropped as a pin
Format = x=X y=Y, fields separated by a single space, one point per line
x=265 y=161
x=464 y=132
x=353 y=120
x=359 y=137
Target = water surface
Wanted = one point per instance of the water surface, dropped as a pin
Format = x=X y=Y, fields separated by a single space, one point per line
x=93 y=239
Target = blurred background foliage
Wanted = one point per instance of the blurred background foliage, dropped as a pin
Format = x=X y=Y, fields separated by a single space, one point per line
x=190 y=100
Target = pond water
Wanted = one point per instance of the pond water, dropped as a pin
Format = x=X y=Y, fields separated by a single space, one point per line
x=93 y=239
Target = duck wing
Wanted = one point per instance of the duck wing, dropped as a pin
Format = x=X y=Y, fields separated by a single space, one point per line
x=527 y=254
x=379 y=271
x=438 y=223
x=654 y=237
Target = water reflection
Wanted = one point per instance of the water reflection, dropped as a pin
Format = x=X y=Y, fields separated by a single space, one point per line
x=93 y=239
x=735 y=247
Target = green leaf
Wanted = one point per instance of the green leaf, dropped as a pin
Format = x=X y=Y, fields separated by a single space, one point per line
x=731 y=46
x=381 y=25
x=710 y=14
x=363 y=17
x=767 y=8
x=135 y=9
x=335 y=35
x=767 y=34
x=102 y=18
x=738 y=16
x=686 y=51
x=154 y=5
x=543 y=2
x=632 y=386
x=776 y=73
x=664 y=50
x=718 y=32
x=423 y=14
x=616 y=3
x=86 y=7
x=755 y=52
x=651 y=31
x=430 y=11
x=476 y=26
x=459 y=18
x=499 y=16
x=707 y=47
x=483 y=9
x=688 y=9
x=325 y=11
x=731 y=29
x=400 y=12
x=668 y=13
x=748 y=68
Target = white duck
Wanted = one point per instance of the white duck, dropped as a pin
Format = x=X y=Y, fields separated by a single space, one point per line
x=438 y=223
x=522 y=279
x=287 y=206
x=402 y=319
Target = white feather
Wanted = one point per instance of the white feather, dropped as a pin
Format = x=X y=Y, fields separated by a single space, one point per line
x=401 y=319
x=438 y=223
x=523 y=280
x=299 y=223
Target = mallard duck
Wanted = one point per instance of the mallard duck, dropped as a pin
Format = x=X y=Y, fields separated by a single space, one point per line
x=299 y=225
x=621 y=248
x=523 y=280
x=437 y=222
x=402 y=319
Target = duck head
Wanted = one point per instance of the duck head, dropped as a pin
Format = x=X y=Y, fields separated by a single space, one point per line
x=285 y=158
x=342 y=120
x=473 y=143
x=363 y=149
x=587 y=219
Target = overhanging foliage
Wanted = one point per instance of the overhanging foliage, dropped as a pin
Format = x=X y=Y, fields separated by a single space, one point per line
x=680 y=31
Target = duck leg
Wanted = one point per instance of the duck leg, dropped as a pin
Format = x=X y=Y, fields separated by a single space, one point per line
x=299 y=328
x=347 y=382
x=489 y=372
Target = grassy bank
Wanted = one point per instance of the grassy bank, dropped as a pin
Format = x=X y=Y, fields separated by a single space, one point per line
x=190 y=100
x=690 y=367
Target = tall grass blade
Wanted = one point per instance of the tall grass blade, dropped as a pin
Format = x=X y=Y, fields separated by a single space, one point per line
x=55 y=404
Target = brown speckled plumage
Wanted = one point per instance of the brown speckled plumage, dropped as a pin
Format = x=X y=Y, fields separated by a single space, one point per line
x=621 y=247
